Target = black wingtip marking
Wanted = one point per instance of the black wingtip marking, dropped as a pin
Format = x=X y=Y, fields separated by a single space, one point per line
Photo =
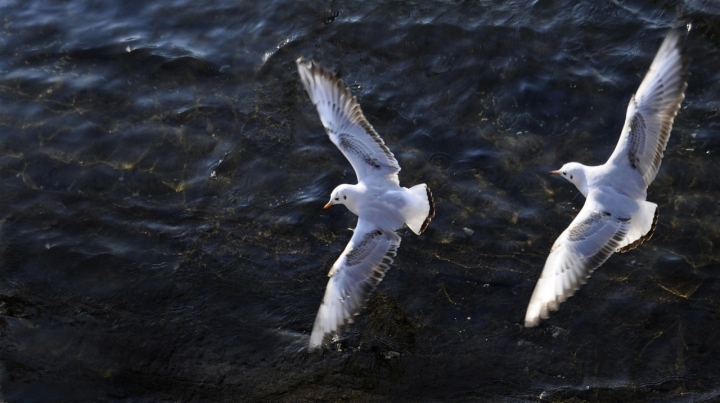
x=432 y=210
x=645 y=237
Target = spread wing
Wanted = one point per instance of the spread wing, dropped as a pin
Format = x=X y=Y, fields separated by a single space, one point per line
x=346 y=125
x=353 y=278
x=652 y=110
x=583 y=247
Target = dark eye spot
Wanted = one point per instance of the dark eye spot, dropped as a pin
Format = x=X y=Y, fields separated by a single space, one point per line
x=570 y=176
x=337 y=198
x=344 y=197
x=564 y=173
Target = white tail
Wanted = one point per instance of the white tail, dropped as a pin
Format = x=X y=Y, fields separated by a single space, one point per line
x=420 y=208
x=642 y=226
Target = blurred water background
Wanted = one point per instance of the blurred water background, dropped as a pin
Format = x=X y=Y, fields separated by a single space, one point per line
x=162 y=177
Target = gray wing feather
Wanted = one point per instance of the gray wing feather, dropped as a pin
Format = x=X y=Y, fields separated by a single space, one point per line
x=583 y=247
x=652 y=110
x=353 y=278
x=346 y=125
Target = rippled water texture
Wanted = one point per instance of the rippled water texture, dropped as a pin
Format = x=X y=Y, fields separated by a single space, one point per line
x=162 y=174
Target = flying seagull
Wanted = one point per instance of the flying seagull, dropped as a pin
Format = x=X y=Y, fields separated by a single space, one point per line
x=616 y=217
x=382 y=206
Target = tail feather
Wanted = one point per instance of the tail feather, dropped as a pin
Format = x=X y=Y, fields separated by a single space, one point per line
x=642 y=227
x=420 y=209
x=431 y=213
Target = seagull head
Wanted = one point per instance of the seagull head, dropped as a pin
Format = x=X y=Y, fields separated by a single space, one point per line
x=575 y=173
x=343 y=194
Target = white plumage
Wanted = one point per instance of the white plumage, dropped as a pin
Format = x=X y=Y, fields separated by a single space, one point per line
x=616 y=216
x=378 y=200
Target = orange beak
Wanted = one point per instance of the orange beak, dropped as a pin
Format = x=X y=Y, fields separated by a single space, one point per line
x=327 y=206
x=554 y=172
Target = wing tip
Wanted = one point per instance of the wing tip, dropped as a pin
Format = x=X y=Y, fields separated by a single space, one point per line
x=315 y=68
x=540 y=305
x=675 y=41
x=538 y=311
x=531 y=320
x=314 y=346
x=301 y=61
x=305 y=68
x=321 y=336
x=320 y=341
x=309 y=69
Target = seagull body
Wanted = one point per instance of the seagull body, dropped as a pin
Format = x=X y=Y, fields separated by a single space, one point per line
x=381 y=204
x=616 y=215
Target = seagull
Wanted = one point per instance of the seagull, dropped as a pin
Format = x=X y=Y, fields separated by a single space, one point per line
x=616 y=216
x=382 y=206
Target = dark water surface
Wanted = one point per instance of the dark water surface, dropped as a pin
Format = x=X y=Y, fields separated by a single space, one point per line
x=162 y=174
